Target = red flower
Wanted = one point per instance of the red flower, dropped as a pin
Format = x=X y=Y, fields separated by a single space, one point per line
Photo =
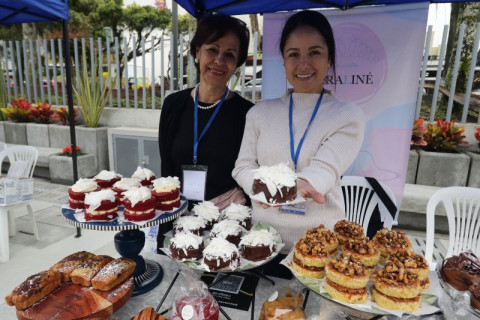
x=477 y=136
x=67 y=151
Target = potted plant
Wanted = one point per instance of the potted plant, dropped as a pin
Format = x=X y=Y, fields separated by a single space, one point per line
x=59 y=133
x=440 y=164
x=93 y=97
x=416 y=141
x=61 y=165
x=37 y=133
x=18 y=111
x=474 y=174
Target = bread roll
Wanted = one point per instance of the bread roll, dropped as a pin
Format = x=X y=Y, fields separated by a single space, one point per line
x=69 y=263
x=113 y=274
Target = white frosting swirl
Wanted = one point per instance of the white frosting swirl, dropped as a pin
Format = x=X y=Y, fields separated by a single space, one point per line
x=237 y=212
x=84 y=185
x=136 y=195
x=258 y=238
x=106 y=175
x=127 y=183
x=225 y=228
x=143 y=173
x=207 y=210
x=220 y=248
x=185 y=240
x=190 y=223
x=275 y=177
x=166 y=184
x=94 y=199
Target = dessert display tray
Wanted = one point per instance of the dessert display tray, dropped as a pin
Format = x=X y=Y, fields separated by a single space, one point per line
x=244 y=264
x=455 y=294
x=74 y=301
x=428 y=298
x=261 y=198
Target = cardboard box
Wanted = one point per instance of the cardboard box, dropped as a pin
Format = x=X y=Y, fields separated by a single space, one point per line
x=13 y=190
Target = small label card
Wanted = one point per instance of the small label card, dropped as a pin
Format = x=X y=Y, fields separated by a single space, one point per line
x=300 y=209
x=194 y=182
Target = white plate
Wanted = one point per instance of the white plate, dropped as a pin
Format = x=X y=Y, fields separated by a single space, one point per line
x=260 y=197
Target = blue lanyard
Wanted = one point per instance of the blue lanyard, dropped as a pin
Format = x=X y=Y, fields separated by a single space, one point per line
x=197 y=139
x=294 y=154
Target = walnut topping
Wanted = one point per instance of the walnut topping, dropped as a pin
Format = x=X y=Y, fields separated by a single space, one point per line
x=391 y=239
x=349 y=229
x=349 y=266
x=409 y=259
x=362 y=246
x=396 y=274
x=321 y=235
x=311 y=248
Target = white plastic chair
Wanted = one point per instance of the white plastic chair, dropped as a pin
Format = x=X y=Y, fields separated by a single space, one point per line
x=462 y=205
x=22 y=161
x=3 y=145
x=360 y=200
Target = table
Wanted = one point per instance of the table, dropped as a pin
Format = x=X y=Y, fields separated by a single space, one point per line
x=316 y=305
x=129 y=242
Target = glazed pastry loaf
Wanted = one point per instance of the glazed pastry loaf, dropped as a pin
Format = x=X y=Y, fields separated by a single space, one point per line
x=148 y=314
x=84 y=272
x=34 y=289
x=113 y=274
x=69 y=263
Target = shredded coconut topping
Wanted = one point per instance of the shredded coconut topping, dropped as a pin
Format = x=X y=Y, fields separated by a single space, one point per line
x=220 y=248
x=136 y=195
x=106 y=175
x=258 y=238
x=166 y=184
x=84 y=185
x=185 y=240
x=207 y=210
x=94 y=199
x=237 y=212
x=275 y=177
x=225 y=228
x=143 y=173
x=190 y=223
x=127 y=183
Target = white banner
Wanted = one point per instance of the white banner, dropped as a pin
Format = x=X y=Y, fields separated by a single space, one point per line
x=379 y=55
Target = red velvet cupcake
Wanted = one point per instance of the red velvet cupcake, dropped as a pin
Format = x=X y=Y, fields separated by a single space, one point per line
x=77 y=192
x=101 y=205
x=146 y=176
x=139 y=204
x=167 y=193
x=106 y=179
x=123 y=185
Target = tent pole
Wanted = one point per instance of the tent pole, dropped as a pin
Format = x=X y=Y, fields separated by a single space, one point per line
x=71 y=113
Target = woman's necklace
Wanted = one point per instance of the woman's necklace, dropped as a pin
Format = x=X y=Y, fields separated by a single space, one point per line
x=210 y=106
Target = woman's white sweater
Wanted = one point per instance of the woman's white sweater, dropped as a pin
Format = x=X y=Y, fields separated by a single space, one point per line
x=330 y=146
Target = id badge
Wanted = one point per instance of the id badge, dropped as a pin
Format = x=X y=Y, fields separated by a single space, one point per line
x=299 y=209
x=194 y=182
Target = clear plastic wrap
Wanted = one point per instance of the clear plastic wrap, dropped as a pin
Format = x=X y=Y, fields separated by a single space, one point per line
x=284 y=304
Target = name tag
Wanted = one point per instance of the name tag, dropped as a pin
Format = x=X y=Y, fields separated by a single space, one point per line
x=194 y=182
x=299 y=209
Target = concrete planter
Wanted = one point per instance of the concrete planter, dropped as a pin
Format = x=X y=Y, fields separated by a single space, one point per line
x=474 y=174
x=15 y=133
x=61 y=168
x=94 y=141
x=412 y=166
x=442 y=169
x=2 y=131
x=59 y=136
x=37 y=135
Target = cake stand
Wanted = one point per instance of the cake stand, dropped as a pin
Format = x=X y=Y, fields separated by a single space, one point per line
x=129 y=242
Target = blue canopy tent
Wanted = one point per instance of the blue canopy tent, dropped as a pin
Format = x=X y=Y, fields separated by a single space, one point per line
x=26 y=11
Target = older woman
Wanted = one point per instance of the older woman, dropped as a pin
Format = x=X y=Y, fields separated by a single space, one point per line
x=202 y=127
x=308 y=128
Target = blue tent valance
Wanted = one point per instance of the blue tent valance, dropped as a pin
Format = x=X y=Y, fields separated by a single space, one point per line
x=20 y=11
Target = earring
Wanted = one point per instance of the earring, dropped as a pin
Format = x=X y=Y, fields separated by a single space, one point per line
x=196 y=60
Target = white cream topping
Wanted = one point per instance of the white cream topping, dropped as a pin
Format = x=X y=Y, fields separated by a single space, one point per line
x=258 y=238
x=143 y=173
x=190 y=223
x=225 y=228
x=166 y=184
x=275 y=177
x=127 y=183
x=84 y=185
x=185 y=240
x=136 y=195
x=220 y=248
x=237 y=212
x=94 y=199
x=207 y=210
x=106 y=175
